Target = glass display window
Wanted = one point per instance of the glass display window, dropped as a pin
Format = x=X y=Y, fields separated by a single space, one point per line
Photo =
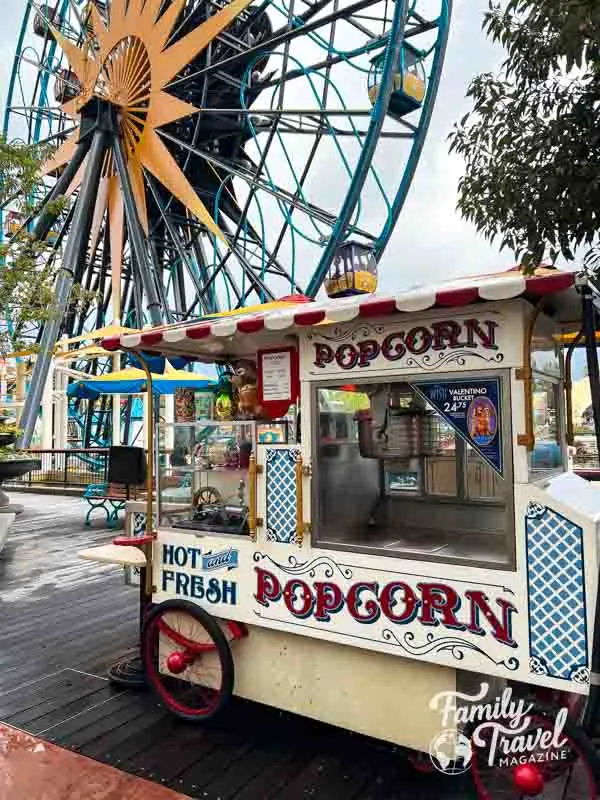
x=549 y=451
x=424 y=467
x=204 y=483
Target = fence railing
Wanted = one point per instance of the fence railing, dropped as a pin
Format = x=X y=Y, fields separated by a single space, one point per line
x=76 y=468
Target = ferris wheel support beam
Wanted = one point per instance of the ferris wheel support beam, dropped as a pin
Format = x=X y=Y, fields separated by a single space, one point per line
x=75 y=250
x=48 y=217
x=136 y=234
x=176 y=239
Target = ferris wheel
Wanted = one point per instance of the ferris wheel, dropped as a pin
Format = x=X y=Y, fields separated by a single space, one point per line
x=219 y=154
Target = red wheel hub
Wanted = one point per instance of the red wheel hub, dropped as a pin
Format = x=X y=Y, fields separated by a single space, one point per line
x=528 y=780
x=178 y=662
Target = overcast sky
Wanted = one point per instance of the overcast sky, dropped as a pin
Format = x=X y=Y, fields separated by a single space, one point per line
x=431 y=240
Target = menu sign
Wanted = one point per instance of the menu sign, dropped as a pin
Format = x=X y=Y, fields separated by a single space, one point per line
x=276 y=376
x=473 y=409
x=278 y=380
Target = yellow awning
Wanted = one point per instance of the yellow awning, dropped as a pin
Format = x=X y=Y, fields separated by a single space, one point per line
x=90 y=351
x=567 y=338
x=100 y=333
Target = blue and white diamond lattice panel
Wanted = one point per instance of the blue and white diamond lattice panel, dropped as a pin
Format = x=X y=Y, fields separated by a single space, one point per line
x=281 y=494
x=558 y=636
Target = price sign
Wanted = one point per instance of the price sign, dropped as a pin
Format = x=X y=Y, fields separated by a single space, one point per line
x=473 y=409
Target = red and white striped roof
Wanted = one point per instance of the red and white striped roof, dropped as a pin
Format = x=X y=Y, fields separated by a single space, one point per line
x=210 y=333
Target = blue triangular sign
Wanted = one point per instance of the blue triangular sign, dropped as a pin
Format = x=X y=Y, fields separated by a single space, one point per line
x=473 y=408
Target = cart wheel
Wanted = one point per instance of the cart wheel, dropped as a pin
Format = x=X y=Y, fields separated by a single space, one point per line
x=207 y=496
x=187 y=659
x=570 y=771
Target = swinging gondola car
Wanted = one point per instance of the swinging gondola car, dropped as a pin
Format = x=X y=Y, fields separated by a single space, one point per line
x=410 y=83
x=13 y=224
x=353 y=271
x=66 y=86
x=42 y=18
x=52 y=237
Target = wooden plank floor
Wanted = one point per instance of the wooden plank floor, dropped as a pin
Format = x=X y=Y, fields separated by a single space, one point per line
x=64 y=621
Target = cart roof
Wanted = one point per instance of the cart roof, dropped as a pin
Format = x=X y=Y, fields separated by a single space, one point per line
x=219 y=336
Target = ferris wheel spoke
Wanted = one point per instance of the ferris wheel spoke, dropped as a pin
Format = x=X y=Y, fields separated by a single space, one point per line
x=272 y=43
x=310 y=209
x=258 y=284
x=178 y=242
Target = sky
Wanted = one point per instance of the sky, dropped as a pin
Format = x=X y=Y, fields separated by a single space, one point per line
x=431 y=240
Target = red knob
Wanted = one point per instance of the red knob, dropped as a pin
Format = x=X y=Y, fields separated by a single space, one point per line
x=177 y=663
x=528 y=780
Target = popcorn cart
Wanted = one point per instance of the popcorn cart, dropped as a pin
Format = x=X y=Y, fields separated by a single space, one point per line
x=416 y=536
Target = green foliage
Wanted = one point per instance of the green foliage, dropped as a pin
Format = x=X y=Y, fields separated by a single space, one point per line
x=531 y=142
x=28 y=266
x=19 y=172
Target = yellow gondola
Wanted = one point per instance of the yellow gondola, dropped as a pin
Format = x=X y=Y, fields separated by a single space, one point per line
x=353 y=271
x=410 y=83
x=13 y=224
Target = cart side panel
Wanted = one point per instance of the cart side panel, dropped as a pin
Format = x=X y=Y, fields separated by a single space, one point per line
x=367 y=692
x=558 y=570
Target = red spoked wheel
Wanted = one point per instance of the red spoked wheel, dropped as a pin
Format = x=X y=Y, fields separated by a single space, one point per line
x=569 y=769
x=188 y=659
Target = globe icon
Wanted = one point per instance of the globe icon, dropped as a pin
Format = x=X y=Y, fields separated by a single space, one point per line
x=451 y=752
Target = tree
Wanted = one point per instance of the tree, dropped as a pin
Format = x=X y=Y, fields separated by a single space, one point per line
x=531 y=142
x=27 y=266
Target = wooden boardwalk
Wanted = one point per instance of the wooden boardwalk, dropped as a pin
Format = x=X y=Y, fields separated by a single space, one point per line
x=64 y=621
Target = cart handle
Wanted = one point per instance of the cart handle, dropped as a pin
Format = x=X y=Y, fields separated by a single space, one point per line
x=299 y=502
x=252 y=492
x=525 y=374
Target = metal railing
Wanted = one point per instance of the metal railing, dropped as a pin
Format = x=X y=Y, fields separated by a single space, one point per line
x=65 y=468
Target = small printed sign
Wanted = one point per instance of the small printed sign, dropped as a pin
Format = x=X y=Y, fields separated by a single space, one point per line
x=276 y=376
x=278 y=380
x=226 y=559
x=473 y=409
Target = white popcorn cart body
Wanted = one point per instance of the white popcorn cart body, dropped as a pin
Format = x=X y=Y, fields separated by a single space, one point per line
x=418 y=528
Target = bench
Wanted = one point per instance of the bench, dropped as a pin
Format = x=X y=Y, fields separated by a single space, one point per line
x=110 y=498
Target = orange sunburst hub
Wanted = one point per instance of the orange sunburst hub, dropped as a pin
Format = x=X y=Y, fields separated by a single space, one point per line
x=129 y=62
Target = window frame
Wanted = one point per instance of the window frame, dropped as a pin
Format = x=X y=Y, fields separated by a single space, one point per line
x=557 y=382
x=506 y=500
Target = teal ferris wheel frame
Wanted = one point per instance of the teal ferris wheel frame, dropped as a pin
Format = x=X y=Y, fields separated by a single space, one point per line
x=406 y=25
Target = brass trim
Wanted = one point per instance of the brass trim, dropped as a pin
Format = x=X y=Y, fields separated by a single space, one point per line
x=570 y=434
x=525 y=374
x=149 y=588
x=299 y=502
x=150 y=445
x=252 y=518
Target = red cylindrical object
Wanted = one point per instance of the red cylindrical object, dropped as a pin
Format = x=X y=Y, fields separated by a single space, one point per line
x=177 y=663
x=528 y=780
